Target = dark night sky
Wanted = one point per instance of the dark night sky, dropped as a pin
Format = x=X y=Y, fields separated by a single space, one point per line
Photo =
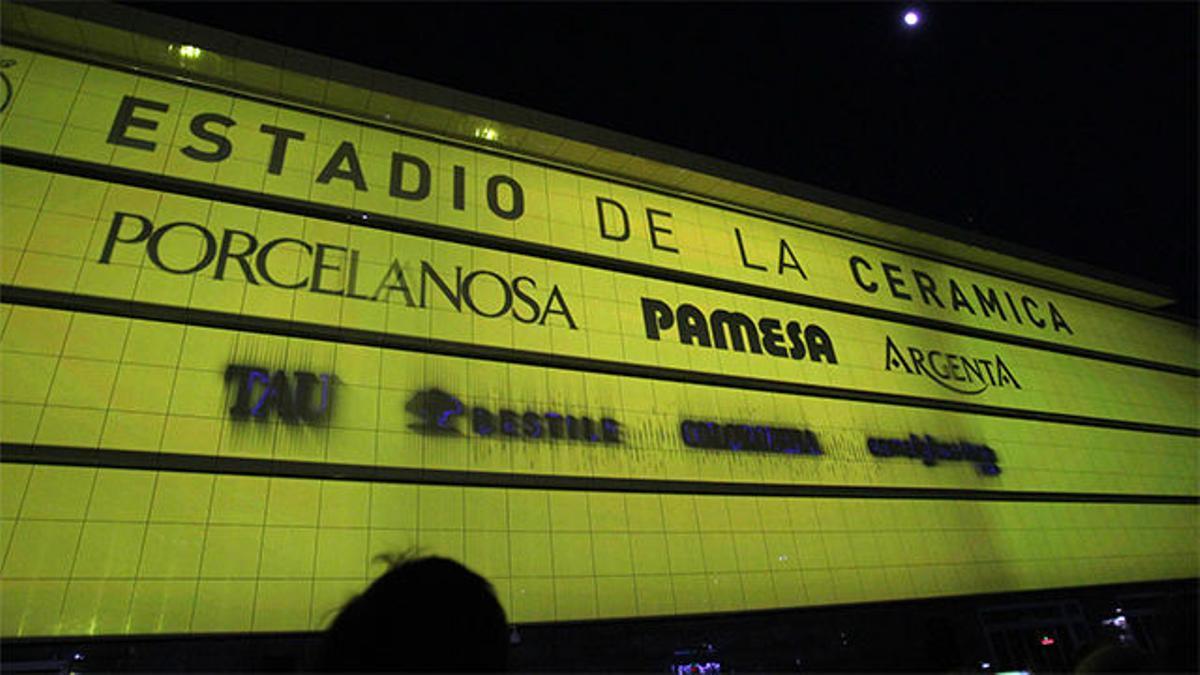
x=1070 y=128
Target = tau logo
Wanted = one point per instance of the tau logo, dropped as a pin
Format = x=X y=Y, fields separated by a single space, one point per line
x=303 y=398
x=962 y=374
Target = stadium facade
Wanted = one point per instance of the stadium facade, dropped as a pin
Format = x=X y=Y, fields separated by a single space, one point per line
x=267 y=315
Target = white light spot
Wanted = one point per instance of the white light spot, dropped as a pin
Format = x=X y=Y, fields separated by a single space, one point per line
x=911 y=18
x=190 y=52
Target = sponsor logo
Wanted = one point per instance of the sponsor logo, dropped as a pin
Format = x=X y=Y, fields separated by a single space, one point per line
x=302 y=398
x=722 y=329
x=931 y=451
x=334 y=270
x=957 y=372
x=438 y=413
x=749 y=437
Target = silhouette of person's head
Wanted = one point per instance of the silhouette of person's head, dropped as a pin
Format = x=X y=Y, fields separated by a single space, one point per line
x=424 y=614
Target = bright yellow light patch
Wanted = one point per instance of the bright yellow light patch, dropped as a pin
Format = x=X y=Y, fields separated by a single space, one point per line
x=729 y=553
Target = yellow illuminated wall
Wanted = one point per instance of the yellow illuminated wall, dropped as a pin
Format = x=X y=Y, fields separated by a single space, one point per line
x=97 y=551
x=68 y=234
x=161 y=388
x=135 y=501
x=67 y=109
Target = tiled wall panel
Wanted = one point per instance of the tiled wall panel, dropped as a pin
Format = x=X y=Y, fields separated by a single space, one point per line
x=108 y=551
x=68 y=110
x=137 y=496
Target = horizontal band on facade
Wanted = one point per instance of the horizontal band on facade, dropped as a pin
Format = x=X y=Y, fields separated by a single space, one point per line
x=812 y=226
x=133 y=309
x=385 y=223
x=277 y=468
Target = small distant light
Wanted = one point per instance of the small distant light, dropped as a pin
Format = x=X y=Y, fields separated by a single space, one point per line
x=1047 y=640
x=190 y=52
x=985 y=665
x=911 y=18
x=78 y=656
x=364 y=216
x=487 y=133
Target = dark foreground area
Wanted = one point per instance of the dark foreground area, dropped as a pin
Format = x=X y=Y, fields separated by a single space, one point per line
x=1037 y=631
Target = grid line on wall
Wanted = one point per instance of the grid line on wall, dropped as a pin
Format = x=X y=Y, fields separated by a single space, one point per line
x=277 y=468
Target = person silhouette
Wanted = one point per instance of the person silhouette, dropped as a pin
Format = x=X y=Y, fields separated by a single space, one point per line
x=424 y=614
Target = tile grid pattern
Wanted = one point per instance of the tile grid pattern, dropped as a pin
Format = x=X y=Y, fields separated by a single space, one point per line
x=102 y=551
x=41 y=126
x=48 y=251
x=250 y=557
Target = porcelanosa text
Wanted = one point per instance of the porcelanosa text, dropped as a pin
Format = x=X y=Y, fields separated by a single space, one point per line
x=335 y=270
